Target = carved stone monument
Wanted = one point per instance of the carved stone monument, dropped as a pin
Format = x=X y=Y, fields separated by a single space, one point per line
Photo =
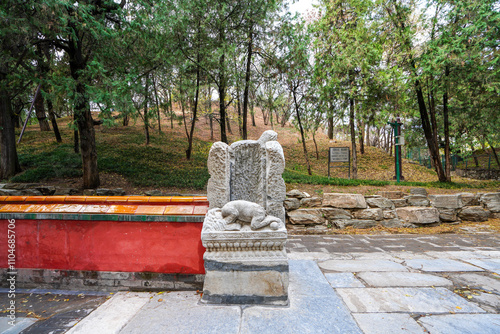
x=244 y=231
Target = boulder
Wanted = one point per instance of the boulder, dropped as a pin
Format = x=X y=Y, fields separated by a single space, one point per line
x=296 y=194
x=390 y=214
x=356 y=223
x=31 y=192
x=65 y=191
x=393 y=223
x=417 y=200
x=372 y=214
x=154 y=192
x=474 y=214
x=46 y=190
x=418 y=215
x=306 y=217
x=446 y=201
x=379 y=202
x=88 y=192
x=419 y=191
x=491 y=201
x=311 y=202
x=447 y=215
x=333 y=213
x=291 y=203
x=399 y=203
x=391 y=194
x=344 y=201
x=10 y=192
x=469 y=199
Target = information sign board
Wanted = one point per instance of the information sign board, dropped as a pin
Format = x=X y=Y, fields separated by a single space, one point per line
x=339 y=154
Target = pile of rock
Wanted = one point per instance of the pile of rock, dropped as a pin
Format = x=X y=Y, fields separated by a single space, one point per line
x=387 y=208
x=34 y=189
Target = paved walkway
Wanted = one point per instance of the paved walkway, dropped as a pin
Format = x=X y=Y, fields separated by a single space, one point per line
x=338 y=284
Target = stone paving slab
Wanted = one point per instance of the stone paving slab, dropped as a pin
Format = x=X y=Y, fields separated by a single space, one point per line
x=20 y=324
x=488 y=264
x=417 y=300
x=361 y=265
x=462 y=323
x=384 y=323
x=477 y=281
x=180 y=312
x=403 y=279
x=343 y=280
x=440 y=265
x=314 y=308
x=113 y=314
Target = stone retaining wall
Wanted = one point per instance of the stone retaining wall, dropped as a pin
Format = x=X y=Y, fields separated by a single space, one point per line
x=388 y=208
x=479 y=174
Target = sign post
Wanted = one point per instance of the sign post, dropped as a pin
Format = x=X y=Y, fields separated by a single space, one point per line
x=339 y=154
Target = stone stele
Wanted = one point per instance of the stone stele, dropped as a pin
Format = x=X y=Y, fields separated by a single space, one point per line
x=244 y=231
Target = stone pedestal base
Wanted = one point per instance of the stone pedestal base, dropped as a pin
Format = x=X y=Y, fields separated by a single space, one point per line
x=245 y=267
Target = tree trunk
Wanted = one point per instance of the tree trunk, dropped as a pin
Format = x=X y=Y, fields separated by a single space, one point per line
x=157 y=105
x=315 y=145
x=447 y=156
x=9 y=163
x=126 y=120
x=330 y=127
x=494 y=153
x=40 y=112
x=353 y=139
x=247 y=80
x=195 y=110
x=252 y=112
x=228 y=120
x=368 y=135
x=52 y=117
x=146 y=119
x=171 y=105
x=302 y=133
x=361 y=137
x=84 y=120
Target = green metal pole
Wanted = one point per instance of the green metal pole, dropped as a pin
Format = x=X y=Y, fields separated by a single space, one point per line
x=396 y=130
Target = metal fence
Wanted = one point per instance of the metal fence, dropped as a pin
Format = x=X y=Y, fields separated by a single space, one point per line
x=476 y=161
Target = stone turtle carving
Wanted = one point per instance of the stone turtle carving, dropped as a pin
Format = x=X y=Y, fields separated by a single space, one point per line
x=248 y=212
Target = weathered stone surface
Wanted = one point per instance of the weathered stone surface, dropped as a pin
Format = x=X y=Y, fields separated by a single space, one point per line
x=446 y=201
x=154 y=192
x=10 y=192
x=115 y=192
x=379 y=202
x=31 y=192
x=46 y=190
x=414 y=300
x=356 y=223
x=361 y=265
x=88 y=192
x=469 y=199
x=334 y=213
x=390 y=214
x=296 y=193
x=391 y=194
x=394 y=279
x=474 y=214
x=417 y=200
x=374 y=214
x=306 y=217
x=291 y=204
x=218 y=166
x=419 y=191
x=440 y=265
x=311 y=202
x=461 y=323
x=21 y=186
x=343 y=280
x=65 y=191
x=383 y=323
x=491 y=201
x=399 y=203
x=276 y=188
x=394 y=223
x=344 y=201
x=248 y=164
x=448 y=215
x=418 y=215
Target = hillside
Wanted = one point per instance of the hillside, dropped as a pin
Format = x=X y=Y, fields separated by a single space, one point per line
x=126 y=162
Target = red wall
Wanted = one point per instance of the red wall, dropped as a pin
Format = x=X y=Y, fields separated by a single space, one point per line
x=162 y=247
